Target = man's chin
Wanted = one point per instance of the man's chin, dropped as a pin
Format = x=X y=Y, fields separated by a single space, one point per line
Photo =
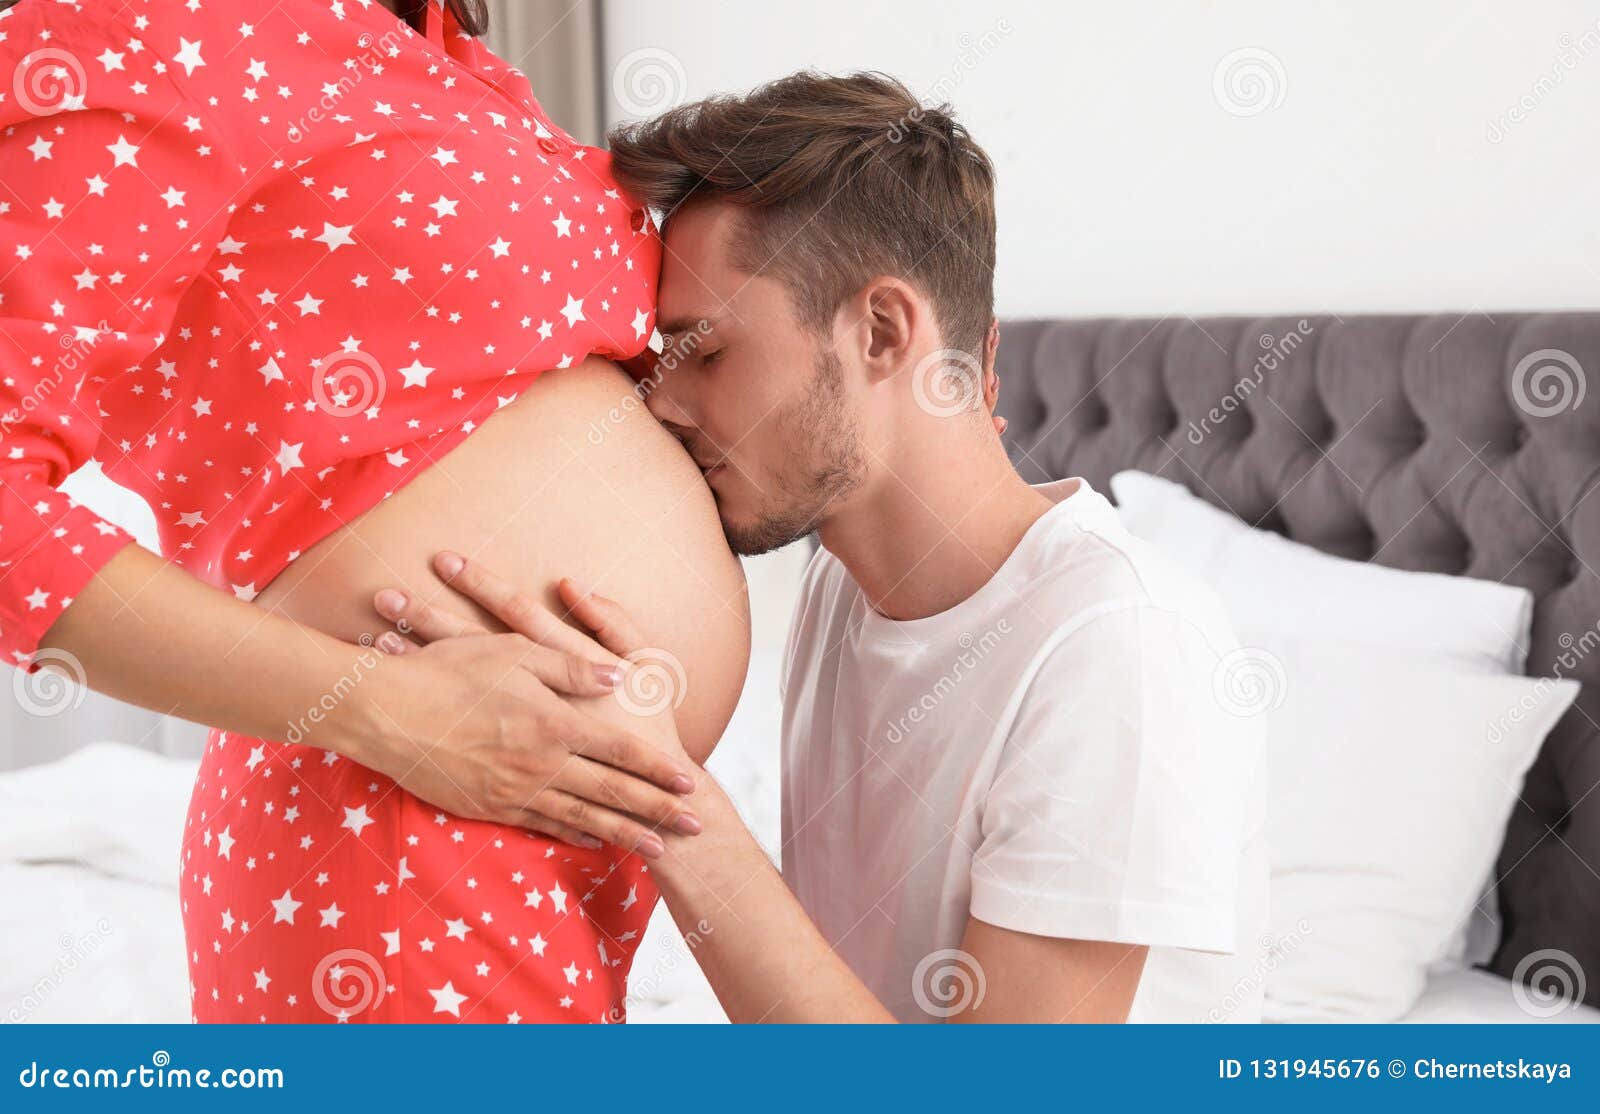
x=753 y=537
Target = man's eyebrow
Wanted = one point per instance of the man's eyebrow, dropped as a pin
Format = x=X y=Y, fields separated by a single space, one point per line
x=690 y=324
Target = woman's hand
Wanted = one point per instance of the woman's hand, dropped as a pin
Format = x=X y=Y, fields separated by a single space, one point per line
x=566 y=778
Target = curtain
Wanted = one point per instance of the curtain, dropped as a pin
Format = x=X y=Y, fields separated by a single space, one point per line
x=557 y=44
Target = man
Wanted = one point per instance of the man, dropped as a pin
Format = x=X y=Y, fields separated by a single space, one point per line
x=1009 y=793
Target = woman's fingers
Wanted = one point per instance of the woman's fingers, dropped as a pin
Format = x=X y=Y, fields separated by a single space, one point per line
x=571 y=675
x=610 y=624
x=601 y=742
x=615 y=789
x=516 y=609
x=555 y=829
x=603 y=823
x=421 y=619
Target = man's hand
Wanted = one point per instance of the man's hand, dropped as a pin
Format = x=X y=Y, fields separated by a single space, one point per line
x=580 y=783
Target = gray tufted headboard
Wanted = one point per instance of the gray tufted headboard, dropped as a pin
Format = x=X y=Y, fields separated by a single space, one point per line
x=1448 y=443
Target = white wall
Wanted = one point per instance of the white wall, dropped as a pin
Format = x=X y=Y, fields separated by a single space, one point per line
x=1127 y=187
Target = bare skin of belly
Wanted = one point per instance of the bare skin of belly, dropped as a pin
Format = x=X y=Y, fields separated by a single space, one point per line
x=573 y=479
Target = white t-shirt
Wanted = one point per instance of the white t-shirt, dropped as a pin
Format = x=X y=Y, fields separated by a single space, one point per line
x=1048 y=756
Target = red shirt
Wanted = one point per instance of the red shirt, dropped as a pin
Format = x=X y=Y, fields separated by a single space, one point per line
x=266 y=263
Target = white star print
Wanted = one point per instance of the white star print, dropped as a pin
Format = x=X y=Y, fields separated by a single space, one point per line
x=123 y=153
x=334 y=237
x=189 y=56
x=447 y=1000
x=573 y=310
x=416 y=375
x=283 y=909
x=289 y=457
x=357 y=820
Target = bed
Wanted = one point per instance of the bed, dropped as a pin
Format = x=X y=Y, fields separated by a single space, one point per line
x=1458 y=444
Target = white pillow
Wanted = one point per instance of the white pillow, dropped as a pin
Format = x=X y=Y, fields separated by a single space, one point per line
x=1391 y=781
x=1269 y=583
x=1274 y=589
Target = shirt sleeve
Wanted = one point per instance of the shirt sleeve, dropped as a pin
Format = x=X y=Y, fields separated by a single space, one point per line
x=116 y=189
x=1117 y=811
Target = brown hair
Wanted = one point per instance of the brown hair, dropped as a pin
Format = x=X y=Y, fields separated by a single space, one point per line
x=847 y=178
x=472 y=15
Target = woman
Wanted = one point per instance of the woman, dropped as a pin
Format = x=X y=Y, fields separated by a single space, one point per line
x=301 y=302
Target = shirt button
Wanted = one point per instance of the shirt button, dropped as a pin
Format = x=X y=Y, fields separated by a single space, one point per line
x=637 y=220
x=548 y=145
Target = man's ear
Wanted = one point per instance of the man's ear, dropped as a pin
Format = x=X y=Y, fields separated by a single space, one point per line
x=892 y=313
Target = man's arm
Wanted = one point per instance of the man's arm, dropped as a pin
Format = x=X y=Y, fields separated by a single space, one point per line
x=767 y=961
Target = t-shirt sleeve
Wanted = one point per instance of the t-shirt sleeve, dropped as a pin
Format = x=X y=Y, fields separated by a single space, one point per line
x=1117 y=806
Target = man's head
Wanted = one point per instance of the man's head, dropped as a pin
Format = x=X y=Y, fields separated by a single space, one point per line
x=828 y=286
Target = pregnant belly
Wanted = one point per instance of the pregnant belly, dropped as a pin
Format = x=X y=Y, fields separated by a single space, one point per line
x=572 y=479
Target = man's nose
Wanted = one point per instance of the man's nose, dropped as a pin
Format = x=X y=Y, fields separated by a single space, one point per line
x=665 y=402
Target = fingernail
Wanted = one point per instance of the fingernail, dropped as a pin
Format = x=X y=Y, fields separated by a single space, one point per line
x=683 y=783
x=608 y=675
x=589 y=842
x=391 y=643
x=390 y=603
x=687 y=824
x=451 y=563
x=650 y=846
